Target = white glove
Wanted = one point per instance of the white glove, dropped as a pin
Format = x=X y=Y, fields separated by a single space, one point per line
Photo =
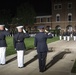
x=24 y=31
x=49 y=33
x=6 y=29
x=46 y=31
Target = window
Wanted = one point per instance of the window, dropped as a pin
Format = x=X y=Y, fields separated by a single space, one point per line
x=55 y=7
x=48 y=20
x=69 y=17
x=58 y=17
x=41 y=20
x=69 y=5
x=59 y=6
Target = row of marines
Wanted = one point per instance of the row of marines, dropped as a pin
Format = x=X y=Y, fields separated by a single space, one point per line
x=67 y=35
x=19 y=45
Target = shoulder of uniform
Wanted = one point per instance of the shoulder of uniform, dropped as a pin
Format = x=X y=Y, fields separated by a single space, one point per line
x=15 y=34
x=37 y=33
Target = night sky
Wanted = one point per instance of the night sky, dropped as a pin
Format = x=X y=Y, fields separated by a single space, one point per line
x=40 y=6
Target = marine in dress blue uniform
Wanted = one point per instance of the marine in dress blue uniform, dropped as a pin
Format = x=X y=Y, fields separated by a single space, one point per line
x=68 y=35
x=74 y=35
x=60 y=35
x=41 y=44
x=3 y=44
x=64 y=35
x=19 y=45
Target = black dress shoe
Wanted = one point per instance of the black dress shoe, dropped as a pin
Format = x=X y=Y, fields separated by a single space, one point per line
x=2 y=64
x=20 y=67
x=45 y=69
x=42 y=70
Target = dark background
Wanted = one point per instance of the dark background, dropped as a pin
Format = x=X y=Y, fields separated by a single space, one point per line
x=40 y=6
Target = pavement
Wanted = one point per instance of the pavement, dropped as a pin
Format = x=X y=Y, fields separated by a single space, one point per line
x=60 y=60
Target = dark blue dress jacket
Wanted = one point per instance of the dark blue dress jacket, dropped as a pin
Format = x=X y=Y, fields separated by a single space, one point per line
x=41 y=42
x=3 y=35
x=18 y=41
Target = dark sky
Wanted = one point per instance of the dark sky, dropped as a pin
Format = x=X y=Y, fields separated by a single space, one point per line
x=40 y=6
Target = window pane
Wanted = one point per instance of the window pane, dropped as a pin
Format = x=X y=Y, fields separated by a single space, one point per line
x=55 y=7
x=69 y=5
x=58 y=18
x=69 y=18
x=60 y=6
x=41 y=19
x=48 y=20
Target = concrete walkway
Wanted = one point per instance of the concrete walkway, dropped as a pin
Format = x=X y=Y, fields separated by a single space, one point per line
x=59 y=61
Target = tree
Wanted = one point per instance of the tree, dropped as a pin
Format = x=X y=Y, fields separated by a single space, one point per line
x=25 y=14
x=14 y=20
x=5 y=16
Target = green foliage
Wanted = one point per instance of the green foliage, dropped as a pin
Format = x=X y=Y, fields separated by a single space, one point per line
x=14 y=20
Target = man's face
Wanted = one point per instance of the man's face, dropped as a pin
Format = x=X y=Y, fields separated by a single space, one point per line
x=41 y=30
x=1 y=27
x=20 y=30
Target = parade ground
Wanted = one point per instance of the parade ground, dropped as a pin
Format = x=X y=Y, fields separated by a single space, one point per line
x=60 y=60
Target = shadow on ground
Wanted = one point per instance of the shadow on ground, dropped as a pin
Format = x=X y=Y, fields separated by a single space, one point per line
x=30 y=61
x=14 y=58
x=56 y=59
x=50 y=64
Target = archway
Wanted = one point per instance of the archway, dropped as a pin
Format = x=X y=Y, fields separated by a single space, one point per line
x=48 y=27
x=58 y=27
x=70 y=28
